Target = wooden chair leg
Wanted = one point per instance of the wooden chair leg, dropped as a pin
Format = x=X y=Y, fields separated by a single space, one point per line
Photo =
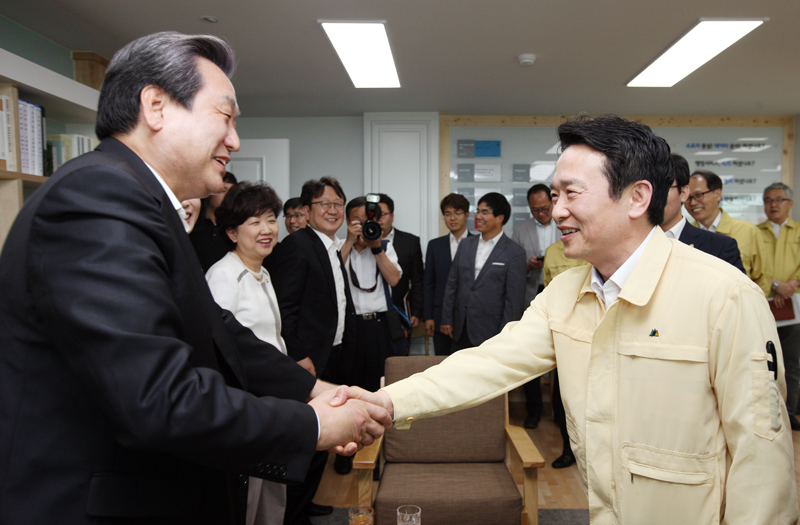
x=530 y=487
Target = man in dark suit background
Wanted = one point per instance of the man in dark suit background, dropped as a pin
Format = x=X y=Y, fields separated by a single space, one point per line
x=126 y=393
x=316 y=311
x=438 y=258
x=486 y=285
x=676 y=226
x=409 y=254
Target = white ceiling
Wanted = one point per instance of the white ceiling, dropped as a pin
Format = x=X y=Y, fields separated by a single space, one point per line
x=459 y=56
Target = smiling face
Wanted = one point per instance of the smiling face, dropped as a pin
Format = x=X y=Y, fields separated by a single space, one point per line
x=594 y=227
x=255 y=238
x=456 y=220
x=194 y=145
x=541 y=207
x=486 y=222
x=776 y=211
x=702 y=205
x=296 y=219
x=326 y=221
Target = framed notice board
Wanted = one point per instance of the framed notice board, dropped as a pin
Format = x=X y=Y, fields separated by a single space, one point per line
x=479 y=154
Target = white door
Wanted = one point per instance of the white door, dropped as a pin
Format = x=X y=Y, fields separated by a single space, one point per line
x=264 y=160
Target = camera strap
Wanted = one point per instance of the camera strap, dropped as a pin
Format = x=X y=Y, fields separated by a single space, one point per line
x=354 y=278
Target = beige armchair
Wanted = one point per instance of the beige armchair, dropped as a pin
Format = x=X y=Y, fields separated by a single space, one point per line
x=469 y=467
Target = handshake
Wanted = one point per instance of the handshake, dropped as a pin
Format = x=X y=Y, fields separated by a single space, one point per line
x=349 y=417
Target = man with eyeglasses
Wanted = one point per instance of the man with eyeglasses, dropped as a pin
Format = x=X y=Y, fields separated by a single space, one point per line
x=536 y=235
x=486 y=286
x=705 y=193
x=316 y=310
x=781 y=235
x=295 y=215
x=677 y=227
x=438 y=258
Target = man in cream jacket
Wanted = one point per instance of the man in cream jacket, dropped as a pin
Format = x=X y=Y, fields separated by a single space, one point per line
x=675 y=408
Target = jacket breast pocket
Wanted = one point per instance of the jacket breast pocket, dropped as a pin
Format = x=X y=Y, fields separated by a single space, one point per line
x=666 y=487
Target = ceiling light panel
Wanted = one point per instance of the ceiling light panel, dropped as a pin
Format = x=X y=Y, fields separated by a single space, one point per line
x=705 y=41
x=363 y=48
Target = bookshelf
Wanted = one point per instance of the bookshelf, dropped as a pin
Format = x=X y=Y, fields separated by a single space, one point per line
x=64 y=100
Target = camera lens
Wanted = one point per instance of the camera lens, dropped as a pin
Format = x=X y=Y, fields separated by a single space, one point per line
x=370 y=230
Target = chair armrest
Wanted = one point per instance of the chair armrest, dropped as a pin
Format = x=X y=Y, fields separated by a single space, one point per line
x=528 y=454
x=367 y=457
x=364 y=463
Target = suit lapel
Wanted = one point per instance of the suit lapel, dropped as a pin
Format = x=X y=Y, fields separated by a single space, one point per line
x=324 y=260
x=215 y=330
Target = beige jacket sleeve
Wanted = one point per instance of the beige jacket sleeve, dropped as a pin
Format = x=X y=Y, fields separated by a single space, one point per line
x=760 y=485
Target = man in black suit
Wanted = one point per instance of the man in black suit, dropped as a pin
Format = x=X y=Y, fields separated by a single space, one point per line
x=486 y=286
x=677 y=227
x=316 y=311
x=409 y=254
x=126 y=394
x=438 y=258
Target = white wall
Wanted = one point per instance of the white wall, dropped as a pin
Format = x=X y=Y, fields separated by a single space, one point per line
x=319 y=146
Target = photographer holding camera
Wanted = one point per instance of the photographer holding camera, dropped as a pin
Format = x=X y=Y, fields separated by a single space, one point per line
x=367 y=265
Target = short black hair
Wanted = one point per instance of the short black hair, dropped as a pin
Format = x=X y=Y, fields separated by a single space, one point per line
x=498 y=204
x=245 y=200
x=387 y=201
x=536 y=188
x=633 y=153
x=313 y=189
x=456 y=201
x=167 y=60
x=680 y=169
x=292 y=203
x=357 y=203
x=712 y=179
x=229 y=177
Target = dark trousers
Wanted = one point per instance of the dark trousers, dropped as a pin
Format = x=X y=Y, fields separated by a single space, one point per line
x=560 y=415
x=533 y=397
x=371 y=349
x=463 y=341
x=790 y=345
x=442 y=344
x=298 y=497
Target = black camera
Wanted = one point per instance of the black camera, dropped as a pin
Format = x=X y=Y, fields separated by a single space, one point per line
x=370 y=229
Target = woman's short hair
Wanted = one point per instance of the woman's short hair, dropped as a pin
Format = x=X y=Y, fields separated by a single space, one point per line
x=245 y=200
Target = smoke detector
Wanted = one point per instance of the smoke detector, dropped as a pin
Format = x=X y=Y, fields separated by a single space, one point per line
x=526 y=59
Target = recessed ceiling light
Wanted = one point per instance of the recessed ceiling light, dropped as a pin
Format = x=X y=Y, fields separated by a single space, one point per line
x=209 y=19
x=705 y=41
x=363 y=48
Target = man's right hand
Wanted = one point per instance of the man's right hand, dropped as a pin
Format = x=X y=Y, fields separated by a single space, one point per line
x=447 y=329
x=347 y=427
x=430 y=327
x=308 y=364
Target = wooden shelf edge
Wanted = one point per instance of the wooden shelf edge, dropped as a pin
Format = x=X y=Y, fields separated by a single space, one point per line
x=15 y=175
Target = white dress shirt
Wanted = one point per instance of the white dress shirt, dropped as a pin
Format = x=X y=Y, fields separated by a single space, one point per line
x=776 y=228
x=484 y=249
x=332 y=246
x=173 y=199
x=675 y=231
x=609 y=290
x=365 y=267
x=714 y=225
x=454 y=242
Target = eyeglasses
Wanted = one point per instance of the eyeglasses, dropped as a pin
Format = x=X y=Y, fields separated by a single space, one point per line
x=779 y=200
x=699 y=196
x=450 y=215
x=295 y=215
x=325 y=205
x=540 y=210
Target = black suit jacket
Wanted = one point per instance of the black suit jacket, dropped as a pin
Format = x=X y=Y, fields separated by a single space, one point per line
x=716 y=244
x=303 y=280
x=437 y=268
x=125 y=391
x=409 y=255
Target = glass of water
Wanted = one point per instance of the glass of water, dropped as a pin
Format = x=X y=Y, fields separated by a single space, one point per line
x=409 y=515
